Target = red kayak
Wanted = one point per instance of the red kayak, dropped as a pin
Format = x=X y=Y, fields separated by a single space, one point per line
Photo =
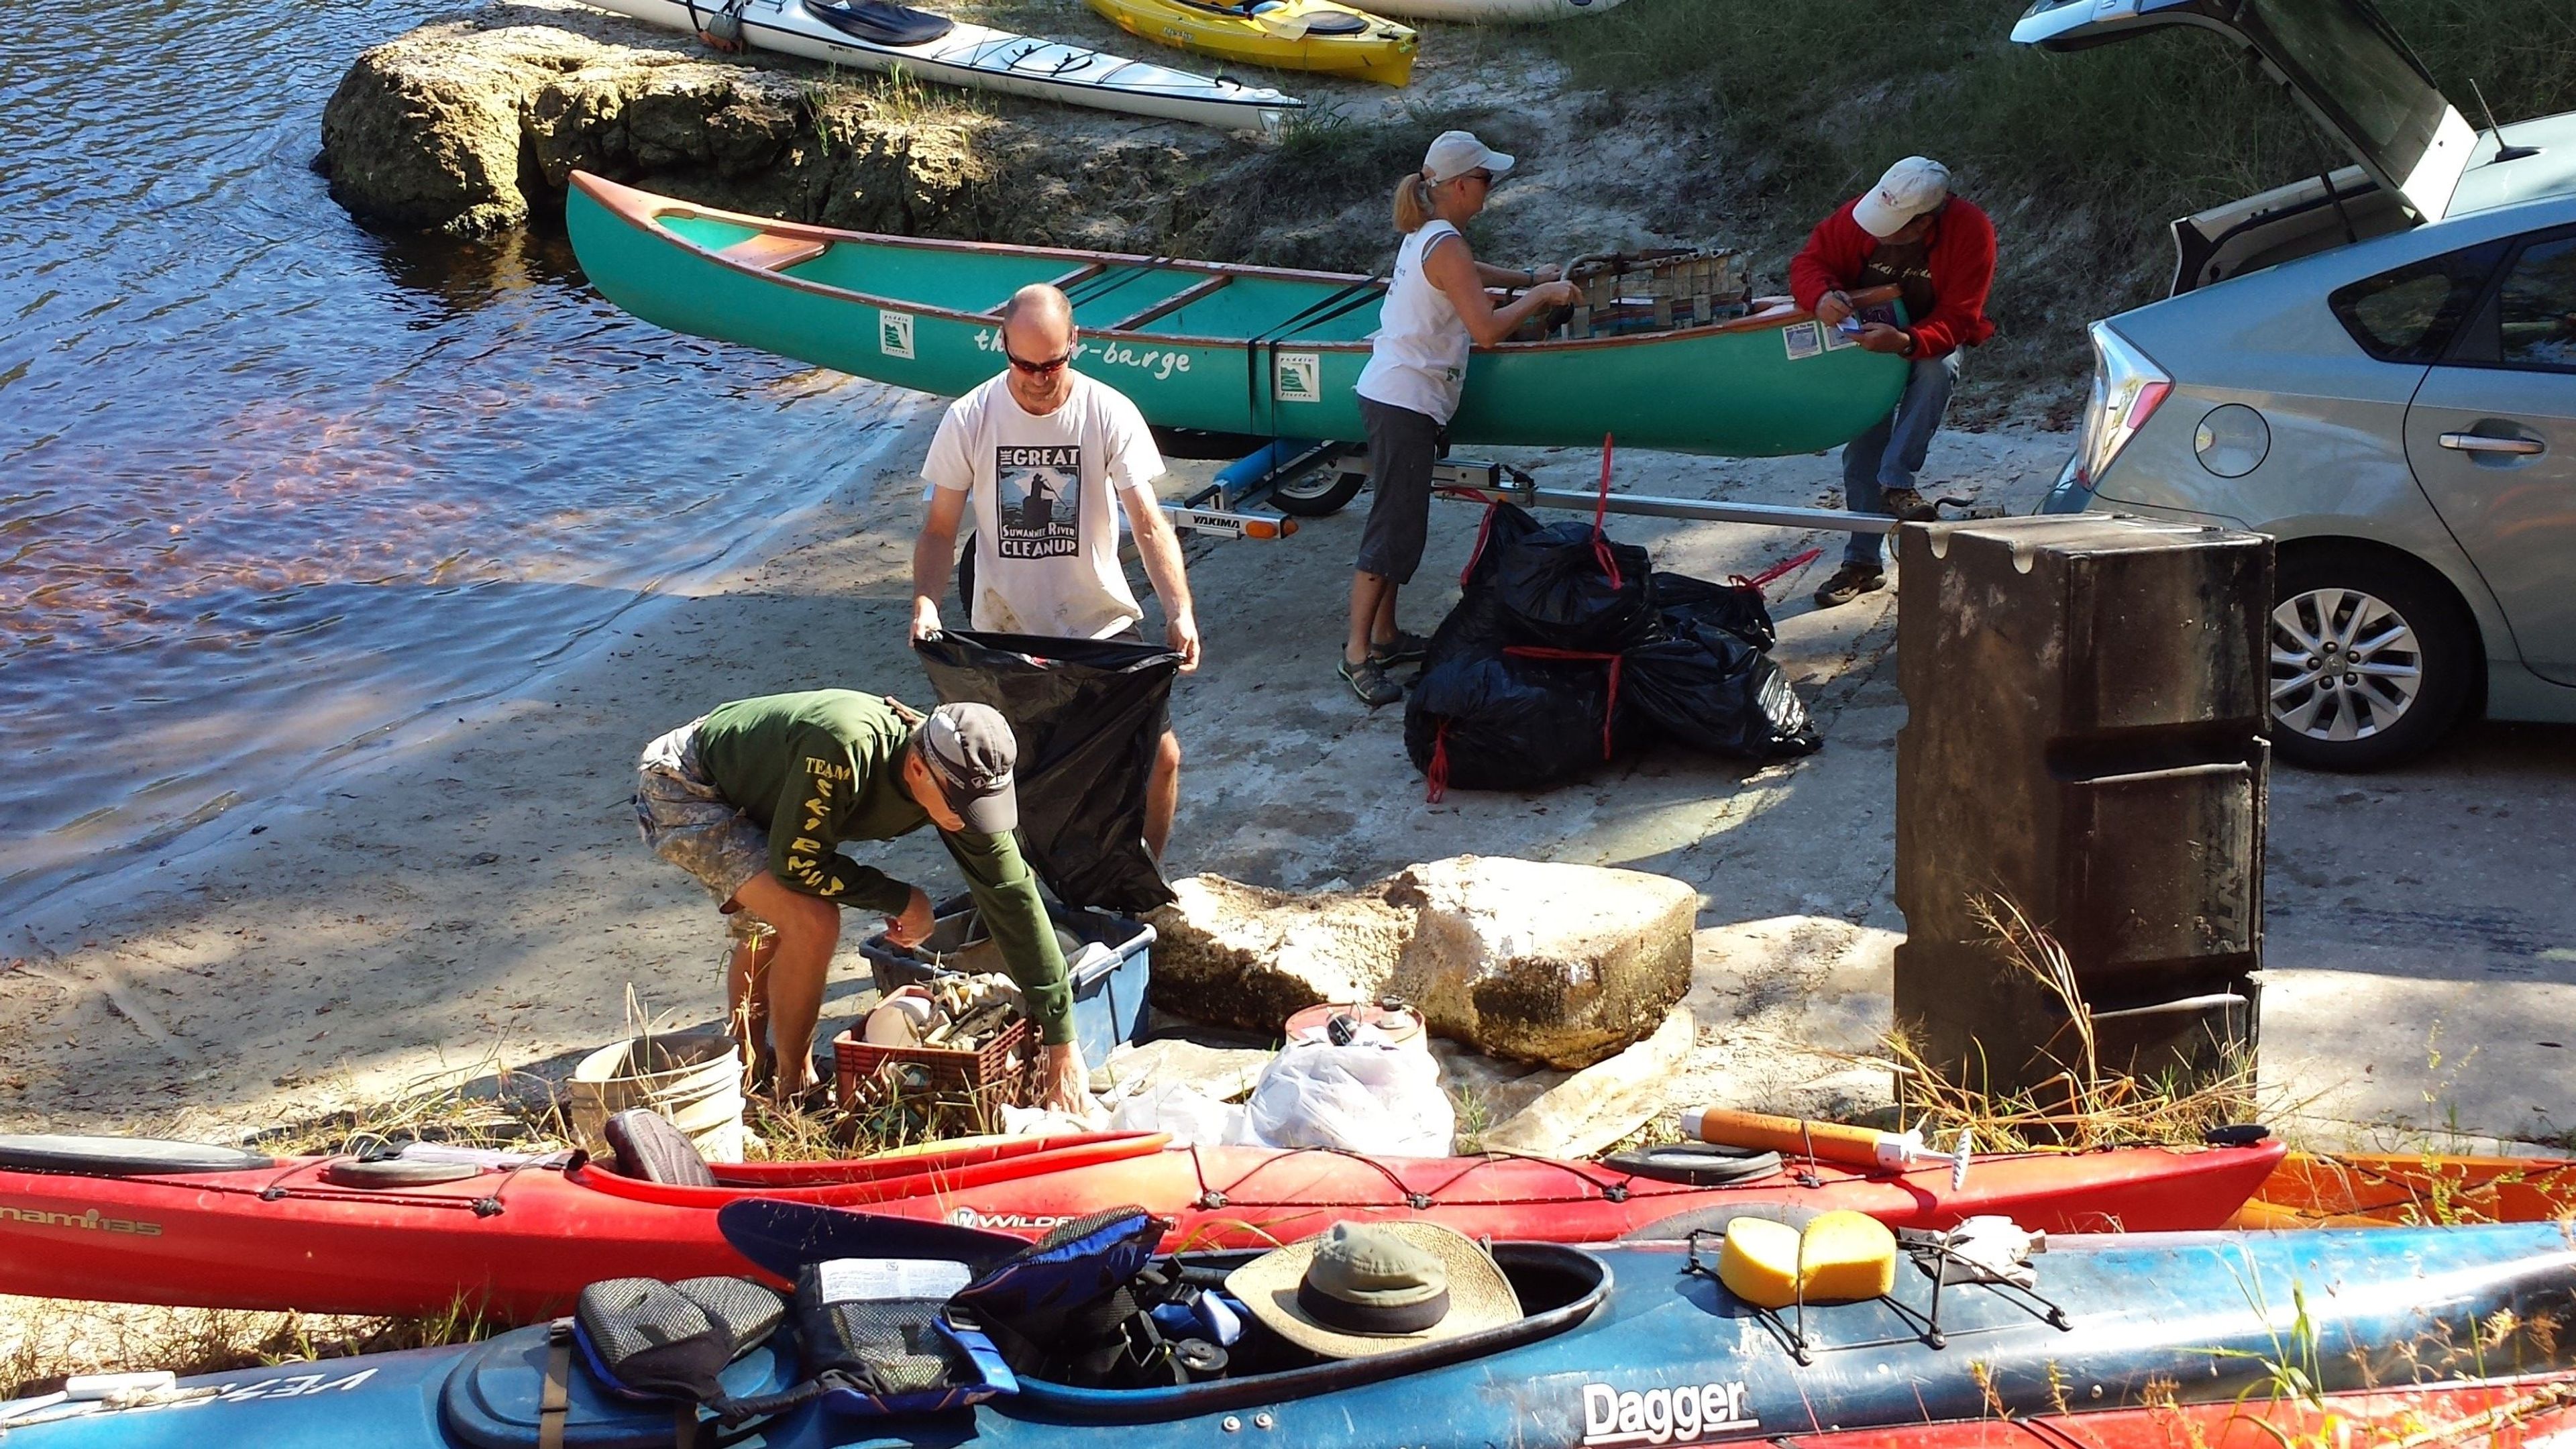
x=109 y=1219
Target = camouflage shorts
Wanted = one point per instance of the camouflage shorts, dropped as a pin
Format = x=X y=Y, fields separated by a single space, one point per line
x=688 y=822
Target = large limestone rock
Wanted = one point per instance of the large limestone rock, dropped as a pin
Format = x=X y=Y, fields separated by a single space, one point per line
x=1557 y=964
x=474 y=122
x=450 y=128
x=1602 y=1105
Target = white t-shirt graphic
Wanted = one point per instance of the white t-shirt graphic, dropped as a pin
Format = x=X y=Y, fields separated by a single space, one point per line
x=1045 y=494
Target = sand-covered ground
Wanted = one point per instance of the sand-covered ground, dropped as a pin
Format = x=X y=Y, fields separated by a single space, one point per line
x=476 y=896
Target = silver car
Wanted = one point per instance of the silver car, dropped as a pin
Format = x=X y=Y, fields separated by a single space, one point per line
x=2377 y=368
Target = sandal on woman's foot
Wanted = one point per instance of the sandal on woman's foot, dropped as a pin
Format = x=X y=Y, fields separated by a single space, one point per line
x=1368 y=680
x=1404 y=648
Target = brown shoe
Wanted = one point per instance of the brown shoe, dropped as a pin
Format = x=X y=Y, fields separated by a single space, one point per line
x=1848 y=583
x=1908 y=505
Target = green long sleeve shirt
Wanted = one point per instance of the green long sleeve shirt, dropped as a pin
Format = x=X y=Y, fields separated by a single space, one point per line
x=825 y=767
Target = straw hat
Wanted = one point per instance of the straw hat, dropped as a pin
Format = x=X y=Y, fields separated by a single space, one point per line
x=1364 y=1289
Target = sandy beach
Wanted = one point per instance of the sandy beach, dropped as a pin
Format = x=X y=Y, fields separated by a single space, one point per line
x=475 y=896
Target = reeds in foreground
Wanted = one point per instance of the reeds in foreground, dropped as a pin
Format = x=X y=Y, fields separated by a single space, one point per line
x=2081 y=1105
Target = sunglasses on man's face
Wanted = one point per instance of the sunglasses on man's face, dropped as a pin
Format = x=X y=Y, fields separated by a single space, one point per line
x=1040 y=369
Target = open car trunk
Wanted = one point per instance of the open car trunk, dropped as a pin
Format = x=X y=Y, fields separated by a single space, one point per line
x=2350 y=71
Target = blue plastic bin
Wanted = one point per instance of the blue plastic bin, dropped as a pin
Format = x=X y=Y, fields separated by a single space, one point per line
x=1108 y=999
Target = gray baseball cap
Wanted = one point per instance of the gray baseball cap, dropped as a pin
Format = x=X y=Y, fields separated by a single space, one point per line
x=971 y=752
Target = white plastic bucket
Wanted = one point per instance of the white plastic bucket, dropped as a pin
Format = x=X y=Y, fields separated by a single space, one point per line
x=692 y=1078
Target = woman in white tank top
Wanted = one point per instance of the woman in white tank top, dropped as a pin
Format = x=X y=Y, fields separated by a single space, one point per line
x=1436 y=309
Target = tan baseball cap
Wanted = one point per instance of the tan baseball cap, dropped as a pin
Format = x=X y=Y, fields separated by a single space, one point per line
x=1910 y=188
x=971 y=752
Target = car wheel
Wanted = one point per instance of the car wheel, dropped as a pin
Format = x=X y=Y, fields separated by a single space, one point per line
x=2372 y=659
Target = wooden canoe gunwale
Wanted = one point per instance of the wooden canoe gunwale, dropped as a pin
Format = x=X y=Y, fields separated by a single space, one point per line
x=644 y=210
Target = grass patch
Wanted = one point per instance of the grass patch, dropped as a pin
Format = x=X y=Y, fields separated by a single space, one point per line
x=2083 y=159
x=44 y=1341
x=1322 y=197
x=2082 y=1104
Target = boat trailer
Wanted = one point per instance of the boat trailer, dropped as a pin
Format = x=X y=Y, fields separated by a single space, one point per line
x=1311 y=480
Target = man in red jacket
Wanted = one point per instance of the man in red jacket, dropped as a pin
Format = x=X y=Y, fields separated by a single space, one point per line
x=1939 y=252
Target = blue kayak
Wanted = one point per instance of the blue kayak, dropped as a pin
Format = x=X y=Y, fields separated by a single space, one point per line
x=1619 y=1345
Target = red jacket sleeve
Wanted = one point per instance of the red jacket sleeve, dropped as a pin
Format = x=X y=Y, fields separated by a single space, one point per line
x=1962 y=261
x=1832 y=257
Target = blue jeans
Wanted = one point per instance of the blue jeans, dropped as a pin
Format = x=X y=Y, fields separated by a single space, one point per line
x=1891 y=452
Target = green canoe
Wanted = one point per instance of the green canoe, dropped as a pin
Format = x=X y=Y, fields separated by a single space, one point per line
x=1226 y=349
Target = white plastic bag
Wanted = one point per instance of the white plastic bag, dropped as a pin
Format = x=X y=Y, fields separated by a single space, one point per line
x=1366 y=1097
x=1194 y=1118
x=1050 y=1122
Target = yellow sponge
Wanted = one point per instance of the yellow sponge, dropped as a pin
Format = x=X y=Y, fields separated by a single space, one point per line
x=1848 y=1255
x=1841 y=1256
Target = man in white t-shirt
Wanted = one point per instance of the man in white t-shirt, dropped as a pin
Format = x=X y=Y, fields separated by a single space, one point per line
x=1041 y=451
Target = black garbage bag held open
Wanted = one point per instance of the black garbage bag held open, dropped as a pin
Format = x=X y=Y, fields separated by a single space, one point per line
x=1088 y=714
x=1568 y=586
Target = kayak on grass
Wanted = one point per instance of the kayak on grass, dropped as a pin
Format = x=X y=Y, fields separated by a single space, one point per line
x=1491 y=11
x=105 y=1218
x=2363 y=1189
x=876 y=35
x=2445 y=1336
x=1307 y=35
x=1219 y=348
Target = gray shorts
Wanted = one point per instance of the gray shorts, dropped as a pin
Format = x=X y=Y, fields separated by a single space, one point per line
x=689 y=823
x=1402 y=446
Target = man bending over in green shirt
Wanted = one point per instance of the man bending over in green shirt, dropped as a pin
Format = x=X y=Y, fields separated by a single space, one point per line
x=755 y=798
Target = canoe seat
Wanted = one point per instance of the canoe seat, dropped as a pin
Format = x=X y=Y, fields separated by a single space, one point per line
x=774 y=253
x=651 y=1149
x=880 y=23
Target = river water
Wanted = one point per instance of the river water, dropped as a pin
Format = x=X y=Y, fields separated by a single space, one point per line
x=271 y=486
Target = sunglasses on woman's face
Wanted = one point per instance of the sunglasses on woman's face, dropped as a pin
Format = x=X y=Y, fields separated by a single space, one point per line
x=1040 y=369
x=1486 y=177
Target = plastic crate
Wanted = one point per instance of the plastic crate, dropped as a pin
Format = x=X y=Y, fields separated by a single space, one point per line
x=1108 y=999
x=997 y=1074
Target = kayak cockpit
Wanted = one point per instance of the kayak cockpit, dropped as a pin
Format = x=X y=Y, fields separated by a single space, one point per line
x=1316 y=22
x=494 y=1399
x=1559 y=1287
x=880 y=23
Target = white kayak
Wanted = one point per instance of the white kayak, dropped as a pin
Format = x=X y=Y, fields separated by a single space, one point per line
x=1488 y=10
x=876 y=35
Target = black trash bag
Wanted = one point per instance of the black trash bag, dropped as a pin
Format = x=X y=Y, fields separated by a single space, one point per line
x=1088 y=714
x=1515 y=720
x=1475 y=626
x=1736 y=608
x=1568 y=586
x=1505 y=524
x=1713 y=691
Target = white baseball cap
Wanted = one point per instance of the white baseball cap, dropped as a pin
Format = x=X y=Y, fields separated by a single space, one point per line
x=1910 y=188
x=1458 y=152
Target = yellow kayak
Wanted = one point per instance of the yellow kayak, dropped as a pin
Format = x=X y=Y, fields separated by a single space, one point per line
x=1309 y=35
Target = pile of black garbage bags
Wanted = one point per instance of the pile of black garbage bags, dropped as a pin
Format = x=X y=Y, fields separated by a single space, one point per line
x=1569 y=650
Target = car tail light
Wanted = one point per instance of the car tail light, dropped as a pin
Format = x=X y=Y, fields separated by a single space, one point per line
x=2127 y=390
